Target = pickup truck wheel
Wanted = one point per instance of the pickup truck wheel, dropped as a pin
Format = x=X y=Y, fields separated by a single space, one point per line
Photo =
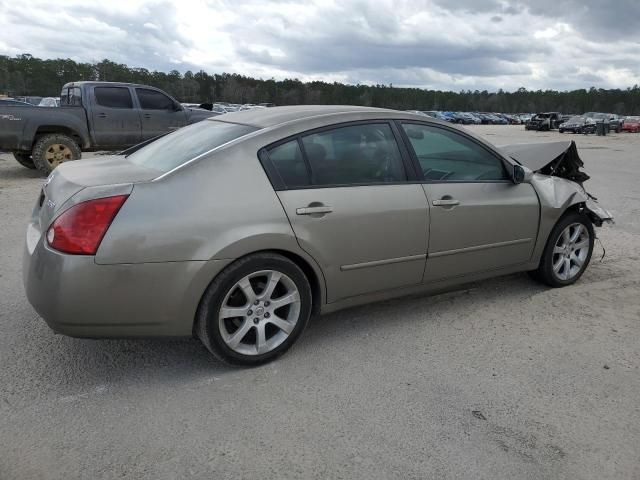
x=52 y=150
x=24 y=159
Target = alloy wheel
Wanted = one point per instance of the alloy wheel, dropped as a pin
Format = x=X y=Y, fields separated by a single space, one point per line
x=570 y=251
x=259 y=312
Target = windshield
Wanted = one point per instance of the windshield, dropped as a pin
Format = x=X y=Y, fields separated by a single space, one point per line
x=576 y=120
x=185 y=144
x=632 y=119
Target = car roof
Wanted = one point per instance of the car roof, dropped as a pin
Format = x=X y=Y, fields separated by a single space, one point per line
x=269 y=117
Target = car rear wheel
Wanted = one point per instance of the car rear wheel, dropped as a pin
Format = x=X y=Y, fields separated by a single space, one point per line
x=51 y=150
x=24 y=159
x=568 y=251
x=254 y=310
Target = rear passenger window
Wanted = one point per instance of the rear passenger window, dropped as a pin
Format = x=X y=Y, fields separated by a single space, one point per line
x=359 y=154
x=153 y=100
x=71 y=96
x=113 y=97
x=289 y=163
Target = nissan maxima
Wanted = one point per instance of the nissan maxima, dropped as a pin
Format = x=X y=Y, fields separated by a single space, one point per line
x=240 y=228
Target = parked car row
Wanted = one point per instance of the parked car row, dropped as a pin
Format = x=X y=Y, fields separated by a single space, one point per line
x=224 y=107
x=586 y=123
x=474 y=118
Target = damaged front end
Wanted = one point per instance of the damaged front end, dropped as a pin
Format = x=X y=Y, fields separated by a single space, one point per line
x=557 y=177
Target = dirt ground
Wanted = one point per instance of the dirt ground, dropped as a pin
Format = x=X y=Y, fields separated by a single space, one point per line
x=503 y=379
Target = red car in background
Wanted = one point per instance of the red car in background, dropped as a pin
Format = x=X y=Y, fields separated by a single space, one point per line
x=631 y=124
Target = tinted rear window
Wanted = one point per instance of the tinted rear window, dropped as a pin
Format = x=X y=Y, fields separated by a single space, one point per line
x=185 y=144
x=288 y=160
x=71 y=96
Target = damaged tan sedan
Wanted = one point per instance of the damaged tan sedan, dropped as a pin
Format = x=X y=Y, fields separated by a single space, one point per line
x=240 y=228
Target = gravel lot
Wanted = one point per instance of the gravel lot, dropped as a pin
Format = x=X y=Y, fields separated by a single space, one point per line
x=500 y=380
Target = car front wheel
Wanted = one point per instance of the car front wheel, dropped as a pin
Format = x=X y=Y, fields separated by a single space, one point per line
x=254 y=310
x=568 y=251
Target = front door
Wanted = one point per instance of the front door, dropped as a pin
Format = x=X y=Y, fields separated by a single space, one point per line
x=351 y=208
x=115 y=123
x=159 y=113
x=478 y=227
x=480 y=219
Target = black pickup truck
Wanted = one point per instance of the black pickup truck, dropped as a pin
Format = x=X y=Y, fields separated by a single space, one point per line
x=91 y=116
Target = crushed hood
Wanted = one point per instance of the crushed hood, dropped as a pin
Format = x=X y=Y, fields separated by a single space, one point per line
x=558 y=159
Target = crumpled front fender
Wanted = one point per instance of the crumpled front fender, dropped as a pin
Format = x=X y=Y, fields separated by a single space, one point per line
x=597 y=214
x=558 y=194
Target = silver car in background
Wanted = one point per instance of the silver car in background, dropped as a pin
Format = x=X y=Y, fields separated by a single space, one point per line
x=240 y=228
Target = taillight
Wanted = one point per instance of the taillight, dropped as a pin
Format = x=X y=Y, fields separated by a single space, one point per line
x=80 y=229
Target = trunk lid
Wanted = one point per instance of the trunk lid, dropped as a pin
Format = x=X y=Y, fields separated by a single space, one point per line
x=70 y=178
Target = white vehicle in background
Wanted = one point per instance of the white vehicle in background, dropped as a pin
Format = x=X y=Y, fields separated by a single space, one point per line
x=49 y=102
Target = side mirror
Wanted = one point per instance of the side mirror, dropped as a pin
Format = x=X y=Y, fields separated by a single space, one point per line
x=518 y=174
x=177 y=107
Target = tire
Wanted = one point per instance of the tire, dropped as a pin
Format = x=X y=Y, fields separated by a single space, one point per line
x=24 y=159
x=561 y=131
x=51 y=150
x=567 y=274
x=216 y=331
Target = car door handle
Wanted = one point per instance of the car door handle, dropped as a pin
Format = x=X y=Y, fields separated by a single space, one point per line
x=147 y=115
x=446 y=202
x=312 y=210
x=102 y=115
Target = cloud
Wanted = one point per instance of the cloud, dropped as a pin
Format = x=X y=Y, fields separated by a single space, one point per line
x=466 y=44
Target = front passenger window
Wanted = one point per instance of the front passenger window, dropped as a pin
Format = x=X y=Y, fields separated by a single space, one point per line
x=153 y=100
x=448 y=156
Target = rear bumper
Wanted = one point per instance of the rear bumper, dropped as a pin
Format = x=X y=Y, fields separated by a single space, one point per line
x=77 y=297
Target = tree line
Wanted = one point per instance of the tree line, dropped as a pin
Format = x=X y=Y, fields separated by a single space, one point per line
x=27 y=75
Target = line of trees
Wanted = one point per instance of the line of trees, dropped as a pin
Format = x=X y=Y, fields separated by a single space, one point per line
x=27 y=75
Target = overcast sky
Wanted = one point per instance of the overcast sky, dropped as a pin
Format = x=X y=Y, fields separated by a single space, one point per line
x=444 y=44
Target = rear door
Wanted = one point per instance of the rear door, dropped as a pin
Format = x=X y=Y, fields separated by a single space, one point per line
x=480 y=219
x=159 y=113
x=346 y=194
x=115 y=123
